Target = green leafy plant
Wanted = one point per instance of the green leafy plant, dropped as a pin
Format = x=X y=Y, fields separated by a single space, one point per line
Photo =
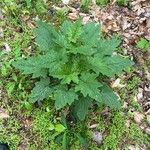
x=72 y=65
x=85 y=5
x=102 y=2
x=122 y=2
x=143 y=44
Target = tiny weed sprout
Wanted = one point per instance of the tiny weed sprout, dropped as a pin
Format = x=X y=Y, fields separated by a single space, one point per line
x=72 y=65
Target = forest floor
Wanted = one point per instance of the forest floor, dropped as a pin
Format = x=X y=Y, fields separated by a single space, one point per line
x=30 y=127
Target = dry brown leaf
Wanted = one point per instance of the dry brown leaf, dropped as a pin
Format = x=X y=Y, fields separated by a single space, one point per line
x=85 y=19
x=66 y=2
x=73 y=16
x=3 y=115
x=7 y=48
x=1 y=15
x=138 y=117
x=117 y=84
x=93 y=126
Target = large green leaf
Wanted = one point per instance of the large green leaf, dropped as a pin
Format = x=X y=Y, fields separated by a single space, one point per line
x=88 y=85
x=108 y=97
x=66 y=27
x=41 y=91
x=107 y=46
x=63 y=97
x=31 y=66
x=45 y=36
x=109 y=66
x=91 y=34
x=39 y=65
x=81 y=107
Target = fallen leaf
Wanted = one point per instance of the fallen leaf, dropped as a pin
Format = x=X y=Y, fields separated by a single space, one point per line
x=1 y=15
x=117 y=84
x=73 y=16
x=66 y=1
x=131 y=147
x=7 y=48
x=93 y=126
x=85 y=19
x=3 y=115
x=138 y=117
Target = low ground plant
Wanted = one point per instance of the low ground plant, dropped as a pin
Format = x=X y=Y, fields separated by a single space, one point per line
x=72 y=66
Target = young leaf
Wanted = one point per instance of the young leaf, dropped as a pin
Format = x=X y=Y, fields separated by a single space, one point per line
x=63 y=97
x=143 y=44
x=41 y=91
x=75 y=31
x=110 y=66
x=59 y=128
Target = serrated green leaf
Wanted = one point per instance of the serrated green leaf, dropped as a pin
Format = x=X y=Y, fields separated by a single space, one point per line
x=41 y=91
x=107 y=46
x=63 y=97
x=65 y=141
x=109 y=98
x=66 y=27
x=39 y=65
x=31 y=66
x=88 y=85
x=110 y=66
x=45 y=35
x=85 y=50
x=91 y=34
x=75 y=31
x=69 y=73
x=81 y=107
x=70 y=77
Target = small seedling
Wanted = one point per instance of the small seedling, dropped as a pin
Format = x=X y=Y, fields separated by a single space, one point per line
x=143 y=44
x=122 y=2
x=102 y=2
x=85 y=5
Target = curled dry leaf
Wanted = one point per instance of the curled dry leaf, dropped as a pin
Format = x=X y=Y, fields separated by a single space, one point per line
x=127 y=124
x=3 y=115
x=85 y=19
x=125 y=105
x=138 y=117
x=66 y=1
x=7 y=48
x=93 y=126
x=140 y=94
x=131 y=147
x=73 y=16
x=117 y=84
x=1 y=15
x=1 y=33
